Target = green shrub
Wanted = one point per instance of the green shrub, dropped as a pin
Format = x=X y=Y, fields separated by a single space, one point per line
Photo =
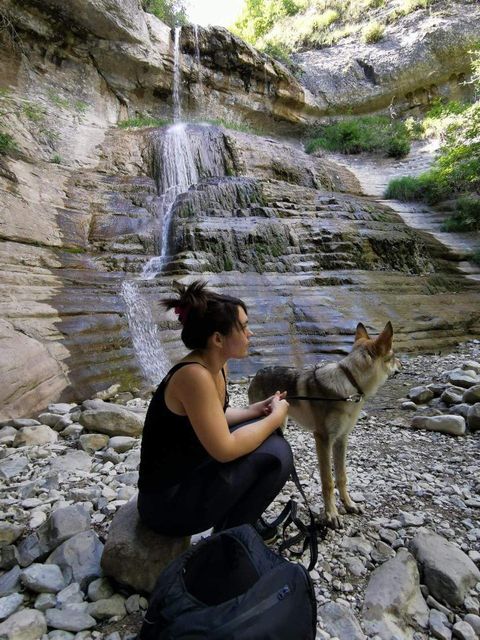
x=7 y=143
x=475 y=256
x=172 y=12
x=56 y=159
x=466 y=217
x=377 y=134
x=373 y=32
x=34 y=112
x=426 y=187
x=143 y=121
x=57 y=99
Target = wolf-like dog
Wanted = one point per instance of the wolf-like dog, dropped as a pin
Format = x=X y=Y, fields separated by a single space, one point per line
x=336 y=394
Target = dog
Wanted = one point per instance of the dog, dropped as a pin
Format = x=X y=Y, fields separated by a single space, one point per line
x=340 y=389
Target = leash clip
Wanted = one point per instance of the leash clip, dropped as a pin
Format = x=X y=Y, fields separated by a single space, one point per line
x=356 y=397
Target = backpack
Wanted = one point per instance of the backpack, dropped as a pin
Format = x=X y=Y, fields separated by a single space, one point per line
x=230 y=586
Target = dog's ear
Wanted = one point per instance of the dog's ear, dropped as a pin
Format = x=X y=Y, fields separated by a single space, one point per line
x=384 y=341
x=361 y=332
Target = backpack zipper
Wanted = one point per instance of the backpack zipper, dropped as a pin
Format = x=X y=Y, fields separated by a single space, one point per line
x=261 y=607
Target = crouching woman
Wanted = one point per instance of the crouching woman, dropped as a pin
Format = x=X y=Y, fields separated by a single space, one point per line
x=204 y=464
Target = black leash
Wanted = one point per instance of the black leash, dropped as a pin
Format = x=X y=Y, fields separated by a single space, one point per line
x=355 y=397
x=309 y=533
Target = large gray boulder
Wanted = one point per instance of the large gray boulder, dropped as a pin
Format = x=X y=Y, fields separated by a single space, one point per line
x=445 y=569
x=112 y=420
x=394 y=605
x=134 y=555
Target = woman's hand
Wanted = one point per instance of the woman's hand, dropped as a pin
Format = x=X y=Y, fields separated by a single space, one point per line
x=265 y=407
x=279 y=406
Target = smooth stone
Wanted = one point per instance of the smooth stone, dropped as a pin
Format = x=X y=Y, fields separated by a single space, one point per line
x=107 y=608
x=121 y=444
x=12 y=467
x=69 y=620
x=100 y=589
x=26 y=624
x=393 y=602
x=72 y=462
x=134 y=555
x=339 y=621
x=79 y=558
x=472 y=395
x=111 y=419
x=91 y=442
x=473 y=417
x=10 y=581
x=61 y=408
x=420 y=395
x=474 y=621
x=446 y=570
x=42 y=578
x=454 y=425
x=438 y=625
x=45 y=601
x=70 y=595
x=463 y=631
x=9 y=604
x=9 y=533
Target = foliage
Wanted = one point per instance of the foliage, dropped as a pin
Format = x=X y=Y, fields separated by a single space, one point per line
x=373 y=32
x=57 y=99
x=475 y=256
x=7 y=143
x=425 y=187
x=378 y=134
x=466 y=217
x=143 y=121
x=33 y=111
x=172 y=12
x=56 y=159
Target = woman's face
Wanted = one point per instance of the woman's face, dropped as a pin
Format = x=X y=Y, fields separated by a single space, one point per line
x=238 y=339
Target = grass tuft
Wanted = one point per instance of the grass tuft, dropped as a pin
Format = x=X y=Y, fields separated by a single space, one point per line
x=375 y=134
x=7 y=143
x=143 y=121
x=373 y=32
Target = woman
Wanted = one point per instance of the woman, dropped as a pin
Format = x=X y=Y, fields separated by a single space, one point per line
x=204 y=464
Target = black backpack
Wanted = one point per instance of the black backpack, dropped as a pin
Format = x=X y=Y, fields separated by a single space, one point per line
x=230 y=586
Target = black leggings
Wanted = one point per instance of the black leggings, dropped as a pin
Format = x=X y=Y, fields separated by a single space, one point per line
x=220 y=495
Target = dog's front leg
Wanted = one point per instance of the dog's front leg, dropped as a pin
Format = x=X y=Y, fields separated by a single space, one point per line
x=339 y=459
x=324 y=455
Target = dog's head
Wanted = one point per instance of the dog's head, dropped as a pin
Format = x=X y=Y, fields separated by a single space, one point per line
x=376 y=352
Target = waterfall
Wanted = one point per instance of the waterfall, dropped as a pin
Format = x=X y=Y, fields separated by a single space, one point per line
x=197 y=59
x=177 y=96
x=183 y=155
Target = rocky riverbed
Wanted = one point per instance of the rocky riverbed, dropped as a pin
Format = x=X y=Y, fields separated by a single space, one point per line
x=406 y=568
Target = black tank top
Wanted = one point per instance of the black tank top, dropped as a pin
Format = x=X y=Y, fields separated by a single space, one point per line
x=170 y=449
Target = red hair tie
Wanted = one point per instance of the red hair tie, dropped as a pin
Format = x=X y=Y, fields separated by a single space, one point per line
x=182 y=313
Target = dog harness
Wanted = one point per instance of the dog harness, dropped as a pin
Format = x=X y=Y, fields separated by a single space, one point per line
x=355 y=397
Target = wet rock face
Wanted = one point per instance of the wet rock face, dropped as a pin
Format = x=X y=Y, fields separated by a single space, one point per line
x=421 y=57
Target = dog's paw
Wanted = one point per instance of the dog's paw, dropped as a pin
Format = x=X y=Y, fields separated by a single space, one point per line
x=334 y=521
x=353 y=508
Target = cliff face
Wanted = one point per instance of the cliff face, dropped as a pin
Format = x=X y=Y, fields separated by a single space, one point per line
x=423 y=56
x=80 y=207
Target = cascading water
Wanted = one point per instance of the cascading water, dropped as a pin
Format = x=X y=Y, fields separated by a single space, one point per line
x=177 y=98
x=197 y=58
x=183 y=155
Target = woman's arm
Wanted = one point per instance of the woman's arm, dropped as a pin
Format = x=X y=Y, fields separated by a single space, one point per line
x=260 y=409
x=195 y=388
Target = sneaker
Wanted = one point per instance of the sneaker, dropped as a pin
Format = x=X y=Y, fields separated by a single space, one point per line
x=268 y=534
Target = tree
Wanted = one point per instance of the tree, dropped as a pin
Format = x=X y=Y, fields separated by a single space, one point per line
x=172 y=12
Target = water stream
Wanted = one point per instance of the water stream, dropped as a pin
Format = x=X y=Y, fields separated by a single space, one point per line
x=183 y=155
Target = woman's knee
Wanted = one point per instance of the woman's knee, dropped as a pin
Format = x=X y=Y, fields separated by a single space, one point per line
x=279 y=448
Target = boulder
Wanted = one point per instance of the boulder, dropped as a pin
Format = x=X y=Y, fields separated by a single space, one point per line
x=473 y=417
x=446 y=570
x=134 y=555
x=79 y=558
x=394 y=604
x=112 y=420
x=454 y=425
x=340 y=622
x=420 y=395
x=27 y=624
x=35 y=436
x=472 y=395
x=91 y=442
